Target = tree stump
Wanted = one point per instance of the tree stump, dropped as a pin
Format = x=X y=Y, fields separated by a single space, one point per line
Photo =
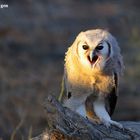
x=65 y=124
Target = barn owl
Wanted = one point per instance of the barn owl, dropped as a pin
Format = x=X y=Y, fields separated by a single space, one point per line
x=93 y=65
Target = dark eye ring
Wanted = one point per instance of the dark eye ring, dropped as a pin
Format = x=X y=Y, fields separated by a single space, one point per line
x=99 y=47
x=85 y=47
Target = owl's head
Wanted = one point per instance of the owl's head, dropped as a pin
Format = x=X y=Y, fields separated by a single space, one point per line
x=94 y=48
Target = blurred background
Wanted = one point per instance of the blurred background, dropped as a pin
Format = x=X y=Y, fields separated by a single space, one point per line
x=34 y=35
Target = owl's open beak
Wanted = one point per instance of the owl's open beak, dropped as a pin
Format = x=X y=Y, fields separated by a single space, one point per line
x=92 y=57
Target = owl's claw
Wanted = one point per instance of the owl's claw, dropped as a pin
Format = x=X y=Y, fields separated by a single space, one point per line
x=94 y=119
x=108 y=123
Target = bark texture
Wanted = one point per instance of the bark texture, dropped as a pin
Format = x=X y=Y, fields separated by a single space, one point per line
x=65 y=124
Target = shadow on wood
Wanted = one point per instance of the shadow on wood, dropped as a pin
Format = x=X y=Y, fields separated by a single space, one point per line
x=65 y=124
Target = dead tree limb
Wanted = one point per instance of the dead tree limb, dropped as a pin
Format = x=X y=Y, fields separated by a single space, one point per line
x=65 y=124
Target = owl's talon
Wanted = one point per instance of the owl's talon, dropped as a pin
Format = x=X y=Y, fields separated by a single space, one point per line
x=108 y=124
x=119 y=125
x=94 y=120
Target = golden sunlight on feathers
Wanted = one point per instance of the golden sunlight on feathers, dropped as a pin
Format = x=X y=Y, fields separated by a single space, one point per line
x=93 y=65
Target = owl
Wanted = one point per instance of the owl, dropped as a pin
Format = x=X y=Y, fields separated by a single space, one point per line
x=93 y=65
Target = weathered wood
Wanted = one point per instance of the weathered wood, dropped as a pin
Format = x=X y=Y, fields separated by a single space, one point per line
x=65 y=124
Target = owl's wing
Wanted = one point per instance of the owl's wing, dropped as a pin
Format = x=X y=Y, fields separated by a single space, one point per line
x=112 y=97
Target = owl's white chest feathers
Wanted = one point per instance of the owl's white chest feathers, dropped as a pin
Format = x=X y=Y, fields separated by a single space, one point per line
x=81 y=86
x=84 y=83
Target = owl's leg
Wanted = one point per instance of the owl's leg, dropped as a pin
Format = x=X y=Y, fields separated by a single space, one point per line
x=90 y=111
x=87 y=113
x=81 y=110
x=101 y=112
x=92 y=117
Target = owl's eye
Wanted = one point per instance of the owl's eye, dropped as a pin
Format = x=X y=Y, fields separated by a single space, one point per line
x=99 y=47
x=85 y=47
